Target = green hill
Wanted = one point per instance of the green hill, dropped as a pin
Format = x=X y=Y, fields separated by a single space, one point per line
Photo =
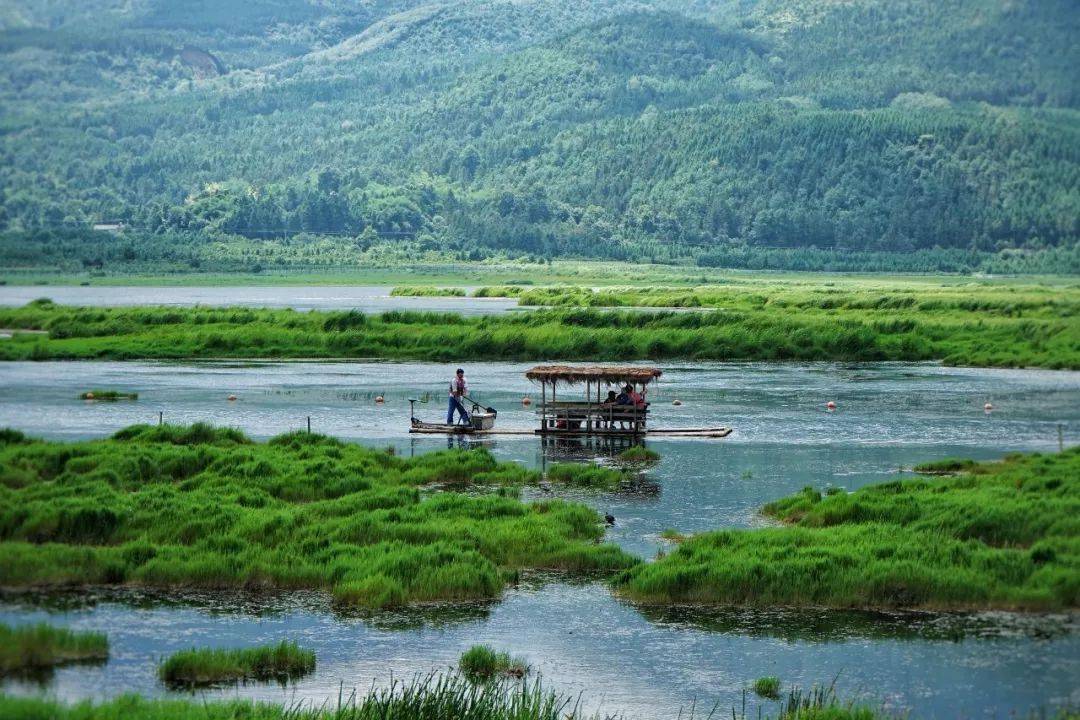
x=934 y=135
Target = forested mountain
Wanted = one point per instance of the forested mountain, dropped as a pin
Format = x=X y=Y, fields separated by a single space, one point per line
x=713 y=130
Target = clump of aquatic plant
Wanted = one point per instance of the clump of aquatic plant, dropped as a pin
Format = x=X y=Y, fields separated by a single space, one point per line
x=481 y=663
x=108 y=395
x=30 y=648
x=207 y=666
x=585 y=475
x=197 y=506
x=426 y=291
x=1002 y=535
x=767 y=687
x=638 y=455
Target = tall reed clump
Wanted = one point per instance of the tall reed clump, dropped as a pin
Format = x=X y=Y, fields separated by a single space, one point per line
x=1000 y=535
x=984 y=325
x=481 y=663
x=30 y=648
x=208 y=666
x=198 y=506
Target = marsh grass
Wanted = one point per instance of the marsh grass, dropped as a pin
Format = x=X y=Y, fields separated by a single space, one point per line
x=426 y=291
x=208 y=666
x=197 y=506
x=1000 y=535
x=34 y=648
x=638 y=455
x=767 y=687
x=586 y=475
x=481 y=663
x=982 y=325
x=433 y=697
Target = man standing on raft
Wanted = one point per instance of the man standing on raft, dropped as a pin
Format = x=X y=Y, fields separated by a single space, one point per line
x=459 y=388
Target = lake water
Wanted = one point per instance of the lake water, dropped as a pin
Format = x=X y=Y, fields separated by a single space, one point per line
x=643 y=663
x=367 y=298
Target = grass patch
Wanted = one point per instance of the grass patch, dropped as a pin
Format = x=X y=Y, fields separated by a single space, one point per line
x=638 y=455
x=426 y=291
x=208 y=666
x=767 y=687
x=33 y=648
x=1001 y=535
x=197 y=506
x=108 y=395
x=481 y=663
x=974 y=324
x=586 y=475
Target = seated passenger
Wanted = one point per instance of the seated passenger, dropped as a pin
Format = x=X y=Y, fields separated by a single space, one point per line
x=623 y=398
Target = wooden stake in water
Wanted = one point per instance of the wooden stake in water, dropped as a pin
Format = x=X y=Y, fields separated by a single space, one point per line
x=309 y=424
x=161 y=417
x=1061 y=437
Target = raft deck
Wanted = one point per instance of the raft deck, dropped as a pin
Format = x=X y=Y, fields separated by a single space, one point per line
x=438 y=429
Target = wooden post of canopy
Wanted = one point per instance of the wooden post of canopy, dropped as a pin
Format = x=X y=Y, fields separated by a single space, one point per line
x=543 y=405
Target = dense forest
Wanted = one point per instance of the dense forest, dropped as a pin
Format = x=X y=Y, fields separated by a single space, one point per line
x=802 y=134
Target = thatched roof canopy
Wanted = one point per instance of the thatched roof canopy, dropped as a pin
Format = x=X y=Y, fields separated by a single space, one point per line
x=611 y=374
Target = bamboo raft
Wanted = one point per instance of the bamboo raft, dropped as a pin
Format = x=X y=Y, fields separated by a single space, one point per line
x=592 y=416
x=443 y=429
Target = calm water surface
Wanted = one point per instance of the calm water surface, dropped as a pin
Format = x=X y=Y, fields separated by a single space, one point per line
x=581 y=639
x=368 y=298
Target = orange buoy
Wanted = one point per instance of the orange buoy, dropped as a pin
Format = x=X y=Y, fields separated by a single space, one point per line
x=830 y=405
x=526 y=401
x=379 y=399
x=676 y=402
x=232 y=398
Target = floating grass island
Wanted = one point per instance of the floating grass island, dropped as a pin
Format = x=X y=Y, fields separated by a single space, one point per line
x=33 y=648
x=998 y=535
x=197 y=506
x=214 y=666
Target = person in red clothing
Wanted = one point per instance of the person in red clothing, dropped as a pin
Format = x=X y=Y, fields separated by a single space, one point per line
x=459 y=388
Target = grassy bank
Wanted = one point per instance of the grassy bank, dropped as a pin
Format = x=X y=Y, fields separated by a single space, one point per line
x=1039 y=328
x=33 y=648
x=203 y=507
x=207 y=666
x=998 y=535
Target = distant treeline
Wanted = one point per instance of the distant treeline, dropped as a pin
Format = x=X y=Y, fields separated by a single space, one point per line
x=75 y=251
x=918 y=136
